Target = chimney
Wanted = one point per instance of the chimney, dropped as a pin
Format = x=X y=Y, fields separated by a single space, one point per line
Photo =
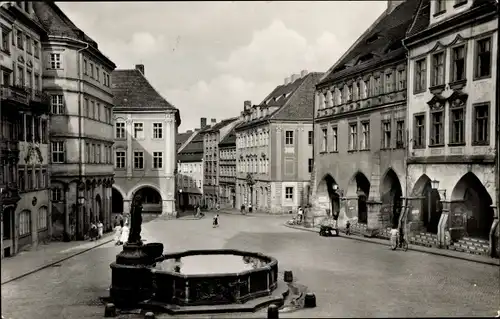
x=295 y=77
x=140 y=68
x=303 y=73
x=287 y=80
x=247 y=105
x=392 y=4
x=203 y=122
x=213 y=121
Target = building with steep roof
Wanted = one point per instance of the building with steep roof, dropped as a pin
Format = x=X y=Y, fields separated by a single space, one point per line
x=360 y=126
x=211 y=159
x=274 y=147
x=76 y=75
x=145 y=152
x=24 y=136
x=227 y=170
x=452 y=86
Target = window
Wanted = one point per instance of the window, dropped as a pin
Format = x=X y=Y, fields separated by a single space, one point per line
x=139 y=160
x=91 y=69
x=419 y=138
x=36 y=129
x=36 y=50
x=483 y=58
x=120 y=130
x=20 y=43
x=481 y=124
x=388 y=82
x=377 y=87
x=334 y=139
x=437 y=69
x=24 y=223
x=440 y=6
x=420 y=75
x=387 y=134
x=55 y=61
x=29 y=128
x=37 y=82
x=98 y=111
x=289 y=193
x=5 y=40
x=401 y=80
x=57 y=104
x=44 y=178
x=458 y=64
x=437 y=133
x=20 y=76
x=324 y=140
x=365 y=135
x=44 y=131
x=400 y=134
x=353 y=136
x=29 y=45
x=158 y=160
x=21 y=180
x=57 y=194
x=107 y=79
x=97 y=73
x=29 y=179
x=288 y=137
x=120 y=159
x=310 y=165
x=97 y=154
x=57 y=152
x=42 y=218
x=310 y=137
x=13 y=38
x=157 y=130
x=457 y=124
x=138 y=130
x=29 y=75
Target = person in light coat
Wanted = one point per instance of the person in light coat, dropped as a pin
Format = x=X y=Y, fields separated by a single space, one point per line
x=125 y=233
x=118 y=232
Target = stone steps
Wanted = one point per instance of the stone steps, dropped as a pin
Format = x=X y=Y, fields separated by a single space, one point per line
x=425 y=239
x=471 y=246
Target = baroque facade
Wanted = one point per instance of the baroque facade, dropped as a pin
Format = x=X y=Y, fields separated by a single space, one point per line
x=227 y=174
x=77 y=77
x=145 y=154
x=24 y=136
x=360 y=126
x=451 y=114
x=274 y=147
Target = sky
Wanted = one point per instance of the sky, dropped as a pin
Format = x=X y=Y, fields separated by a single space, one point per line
x=207 y=58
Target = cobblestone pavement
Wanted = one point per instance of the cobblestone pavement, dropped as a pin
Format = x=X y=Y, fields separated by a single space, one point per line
x=350 y=278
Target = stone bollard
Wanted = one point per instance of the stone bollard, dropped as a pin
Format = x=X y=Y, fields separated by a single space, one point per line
x=110 y=310
x=310 y=300
x=149 y=315
x=273 y=312
x=288 y=276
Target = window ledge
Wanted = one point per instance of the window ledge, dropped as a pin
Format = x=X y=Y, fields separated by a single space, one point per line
x=458 y=84
x=486 y=143
x=333 y=152
x=436 y=145
x=484 y=77
x=323 y=152
x=419 y=91
x=437 y=89
x=456 y=144
x=365 y=150
x=351 y=151
x=420 y=147
x=459 y=4
x=438 y=13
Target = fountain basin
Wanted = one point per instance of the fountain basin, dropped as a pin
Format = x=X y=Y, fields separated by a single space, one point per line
x=192 y=278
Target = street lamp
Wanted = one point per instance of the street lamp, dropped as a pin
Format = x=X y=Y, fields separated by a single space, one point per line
x=435 y=185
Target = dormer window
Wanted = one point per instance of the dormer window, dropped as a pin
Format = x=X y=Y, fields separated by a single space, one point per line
x=372 y=39
x=365 y=58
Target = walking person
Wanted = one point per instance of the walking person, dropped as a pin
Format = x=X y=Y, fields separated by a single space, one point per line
x=93 y=231
x=215 y=222
x=125 y=233
x=301 y=215
x=250 y=208
x=118 y=232
x=100 y=229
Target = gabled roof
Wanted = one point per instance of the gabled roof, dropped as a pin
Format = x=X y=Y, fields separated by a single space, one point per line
x=422 y=18
x=131 y=89
x=229 y=140
x=181 y=138
x=293 y=101
x=221 y=124
x=193 y=151
x=383 y=43
x=56 y=23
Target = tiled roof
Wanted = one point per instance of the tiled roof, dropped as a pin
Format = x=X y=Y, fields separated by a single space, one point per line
x=132 y=90
x=193 y=152
x=282 y=93
x=181 y=138
x=56 y=23
x=384 y=42
x=229 y=140
x=190 y=156
x=221 y=124
x=422 y=19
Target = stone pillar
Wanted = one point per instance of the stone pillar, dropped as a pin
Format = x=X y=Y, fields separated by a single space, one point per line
x=67 y=210
x=168 y=208
x=374 y=214
x=414 y=217
x=126 y=207
x=494 y=242
x=443 y=242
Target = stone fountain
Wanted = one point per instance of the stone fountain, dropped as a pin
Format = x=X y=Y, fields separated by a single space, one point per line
x=194 y=281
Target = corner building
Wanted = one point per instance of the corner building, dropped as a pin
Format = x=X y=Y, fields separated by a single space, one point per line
x=451 y=115
x=360 y=128
x=76 y=75
x=274 y=147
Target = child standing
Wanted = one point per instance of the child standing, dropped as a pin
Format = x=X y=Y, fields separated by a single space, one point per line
x=215 y=222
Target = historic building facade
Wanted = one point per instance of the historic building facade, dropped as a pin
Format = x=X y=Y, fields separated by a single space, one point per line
x=211 y=138
x=227 y=170
x=190 y=171
x=24 y=136
x=274 y=147
x=451 y=116
x=145 y=154
x=360 y=128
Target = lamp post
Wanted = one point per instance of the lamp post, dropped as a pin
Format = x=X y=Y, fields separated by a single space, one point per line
x=180 y=200
x=445 y=210
x=80 y=213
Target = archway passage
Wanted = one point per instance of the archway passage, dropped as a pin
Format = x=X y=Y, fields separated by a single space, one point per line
x=116 y=202
x=391 y=193
x=327 y=196
x=475 y=201
x=431 y=204
x=151 y=200
x=363 y=190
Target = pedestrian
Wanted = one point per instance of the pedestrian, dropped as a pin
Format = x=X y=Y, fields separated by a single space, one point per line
x=215 y=222
x=249 y=208
x=125 y=233
x=301 y=214
x=348 y=227
x=118 y=232
x=93 y=231
x=100 y=229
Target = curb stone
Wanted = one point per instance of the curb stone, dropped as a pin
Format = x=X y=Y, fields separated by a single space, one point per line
x=493 y=262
